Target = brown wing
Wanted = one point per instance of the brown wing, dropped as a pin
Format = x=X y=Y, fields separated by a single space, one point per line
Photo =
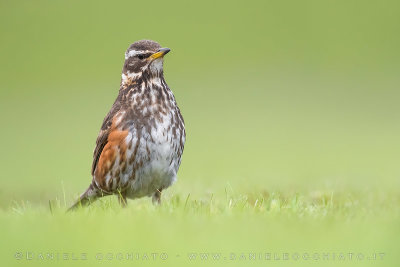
x=104 y=133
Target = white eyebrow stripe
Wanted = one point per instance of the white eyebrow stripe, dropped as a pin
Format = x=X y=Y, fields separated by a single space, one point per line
x=133 y=53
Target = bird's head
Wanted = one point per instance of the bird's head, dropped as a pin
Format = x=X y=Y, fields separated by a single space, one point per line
x=144 y=56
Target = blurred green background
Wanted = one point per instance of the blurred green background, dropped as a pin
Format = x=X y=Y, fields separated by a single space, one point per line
x=291 y=96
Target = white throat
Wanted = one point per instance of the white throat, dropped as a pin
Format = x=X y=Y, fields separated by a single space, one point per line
x=157 y=65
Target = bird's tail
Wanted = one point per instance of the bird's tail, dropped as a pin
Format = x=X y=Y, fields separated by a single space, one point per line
x=89 y=196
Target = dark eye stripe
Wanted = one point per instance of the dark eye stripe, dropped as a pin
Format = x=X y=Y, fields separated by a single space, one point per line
x=142 y=56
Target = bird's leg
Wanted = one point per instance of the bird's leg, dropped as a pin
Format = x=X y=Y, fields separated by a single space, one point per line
x=157 y=197
x=122 y=199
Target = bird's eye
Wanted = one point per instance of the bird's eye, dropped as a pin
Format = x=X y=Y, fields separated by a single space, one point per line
x=143 y=56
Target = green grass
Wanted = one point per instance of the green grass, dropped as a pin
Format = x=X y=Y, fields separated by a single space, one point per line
x=321 y=205
x=222 y=229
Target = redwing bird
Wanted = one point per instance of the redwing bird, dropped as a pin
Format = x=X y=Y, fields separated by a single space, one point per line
x=140 y=144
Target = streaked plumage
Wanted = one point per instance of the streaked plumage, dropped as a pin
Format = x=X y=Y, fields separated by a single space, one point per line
x=140 y=144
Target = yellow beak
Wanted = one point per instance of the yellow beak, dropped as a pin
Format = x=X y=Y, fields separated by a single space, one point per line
x=160 y=53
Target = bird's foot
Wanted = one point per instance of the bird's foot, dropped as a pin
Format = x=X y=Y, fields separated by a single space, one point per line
x=157 y=197
x=122 y=200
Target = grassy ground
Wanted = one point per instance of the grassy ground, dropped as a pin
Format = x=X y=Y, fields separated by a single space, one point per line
x=256 y=229
x=292 y=117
